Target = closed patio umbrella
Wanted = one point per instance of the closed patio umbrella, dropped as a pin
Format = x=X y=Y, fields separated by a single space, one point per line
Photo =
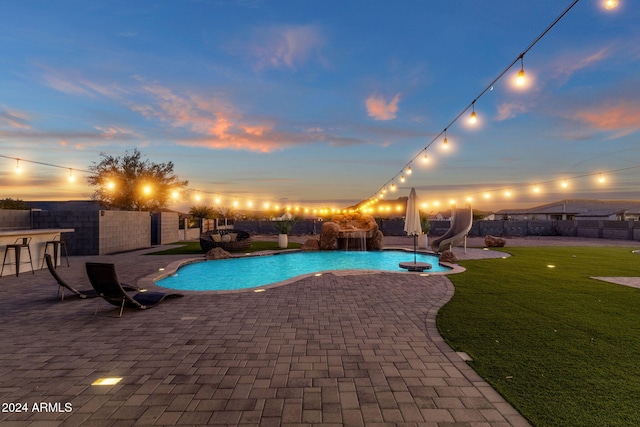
x=412 y=220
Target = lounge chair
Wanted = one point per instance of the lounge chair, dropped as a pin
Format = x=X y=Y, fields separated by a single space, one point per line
x=104 y=280
x=62 y=285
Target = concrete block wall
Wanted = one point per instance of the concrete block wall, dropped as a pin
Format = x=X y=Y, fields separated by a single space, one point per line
x=122 y=231
x=300 y=227
x=618 y=230
x=11 y=219
x=169 y=227
x=84 y=240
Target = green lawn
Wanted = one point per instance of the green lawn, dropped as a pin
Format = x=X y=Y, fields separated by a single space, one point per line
x=193 y=248
x=562 y=348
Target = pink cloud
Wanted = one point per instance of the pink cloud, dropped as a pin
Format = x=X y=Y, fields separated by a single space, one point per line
x=565 y=66
x=623 y=117
x=69 y=82
x=509 y=110
x=285 y=46
x=381 y=110
x=216 y=124
x=15 y=119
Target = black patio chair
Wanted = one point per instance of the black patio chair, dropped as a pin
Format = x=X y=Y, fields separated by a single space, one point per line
x=105 y=281
x=89 y=293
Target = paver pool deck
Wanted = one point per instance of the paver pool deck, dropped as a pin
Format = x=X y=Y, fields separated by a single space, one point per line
x=339 y=349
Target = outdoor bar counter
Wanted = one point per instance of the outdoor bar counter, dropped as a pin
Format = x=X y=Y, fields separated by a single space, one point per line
x=39 y=238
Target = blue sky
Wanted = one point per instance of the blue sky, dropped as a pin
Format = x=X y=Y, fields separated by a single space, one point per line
x=323 y=103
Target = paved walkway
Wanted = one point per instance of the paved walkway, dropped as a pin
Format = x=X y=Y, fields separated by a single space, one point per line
x=334 y=349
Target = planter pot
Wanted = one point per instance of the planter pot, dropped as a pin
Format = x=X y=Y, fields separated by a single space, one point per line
x=283 y=241
x=423 y=241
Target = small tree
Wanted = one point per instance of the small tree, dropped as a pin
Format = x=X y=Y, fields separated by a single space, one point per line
x=202 y=211
x=130 y=183
x=9 y=203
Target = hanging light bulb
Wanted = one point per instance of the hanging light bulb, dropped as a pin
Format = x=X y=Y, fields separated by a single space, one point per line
x=564 y=183
x=536 y=188
x=473 y=119
x=601 y=179
x=425 y=158
x=487 y=195
x=409 y=171
x=18 y=168
x=402 y=178
x=610 y=4
x=71 y=178
x=393 y=186
x=445 y=141
x=520 y=81
x=508 y=193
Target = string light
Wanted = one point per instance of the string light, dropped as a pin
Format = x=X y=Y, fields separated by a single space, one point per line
x=610 y=4
x=18 y=168
x=409 y=171
x=445 y=141
x=473 y=119
x=490 y=86
x=520 y=80
x=71 y=178
x=425 y=158
x=402 y=178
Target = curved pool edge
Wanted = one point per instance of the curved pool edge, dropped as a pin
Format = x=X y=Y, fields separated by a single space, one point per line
x=150 y=280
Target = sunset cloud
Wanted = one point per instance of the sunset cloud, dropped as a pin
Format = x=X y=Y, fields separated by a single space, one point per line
x=14 y=119
x=216 y=124
x=379 y=109
x=509 y=110
x=71 y=83
x=622 y=118
x=286 y=46
x=567 y=65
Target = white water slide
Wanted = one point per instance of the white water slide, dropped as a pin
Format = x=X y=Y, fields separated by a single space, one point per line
x=460 y=225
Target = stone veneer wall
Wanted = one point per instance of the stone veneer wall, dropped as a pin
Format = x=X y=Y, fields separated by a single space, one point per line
x=122 y=231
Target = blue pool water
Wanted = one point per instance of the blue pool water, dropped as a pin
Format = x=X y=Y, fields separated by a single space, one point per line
x=255 y=271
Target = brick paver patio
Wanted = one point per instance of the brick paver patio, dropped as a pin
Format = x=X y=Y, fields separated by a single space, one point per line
x=336 y=349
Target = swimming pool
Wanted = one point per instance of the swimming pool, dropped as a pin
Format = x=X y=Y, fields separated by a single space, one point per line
x=256 y=271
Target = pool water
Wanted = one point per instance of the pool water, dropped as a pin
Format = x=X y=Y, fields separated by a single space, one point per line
x=255 y=271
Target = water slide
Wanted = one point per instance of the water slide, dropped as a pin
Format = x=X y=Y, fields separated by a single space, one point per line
x=457 y=232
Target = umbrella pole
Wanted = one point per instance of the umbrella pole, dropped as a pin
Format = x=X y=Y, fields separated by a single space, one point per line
x=414 y=248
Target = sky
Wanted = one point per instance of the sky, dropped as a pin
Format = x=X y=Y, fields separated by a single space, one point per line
x=324 y=103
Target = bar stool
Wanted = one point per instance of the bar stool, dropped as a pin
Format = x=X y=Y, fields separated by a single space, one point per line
x=57 y=243
x=21 y=242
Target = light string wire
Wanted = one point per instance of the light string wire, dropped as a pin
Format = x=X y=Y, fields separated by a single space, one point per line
x=408 y=164
x=603 y=173
x=302 y=206
x=191 y=191
x=472 y=104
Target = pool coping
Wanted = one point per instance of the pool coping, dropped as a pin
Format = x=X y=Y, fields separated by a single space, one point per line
x=150 y=280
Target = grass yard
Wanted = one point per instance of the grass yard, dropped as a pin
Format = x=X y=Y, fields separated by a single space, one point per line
x=193 y=248
x=562 y=348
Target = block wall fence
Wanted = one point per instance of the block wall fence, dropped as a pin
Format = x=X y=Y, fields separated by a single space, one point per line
x=105 y=232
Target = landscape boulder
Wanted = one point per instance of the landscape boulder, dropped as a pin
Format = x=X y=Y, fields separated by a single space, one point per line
x=494 y=242
x=376 y=243
x=448 y=256
x=217 y=253
x=329 y=236
x=311 y=245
